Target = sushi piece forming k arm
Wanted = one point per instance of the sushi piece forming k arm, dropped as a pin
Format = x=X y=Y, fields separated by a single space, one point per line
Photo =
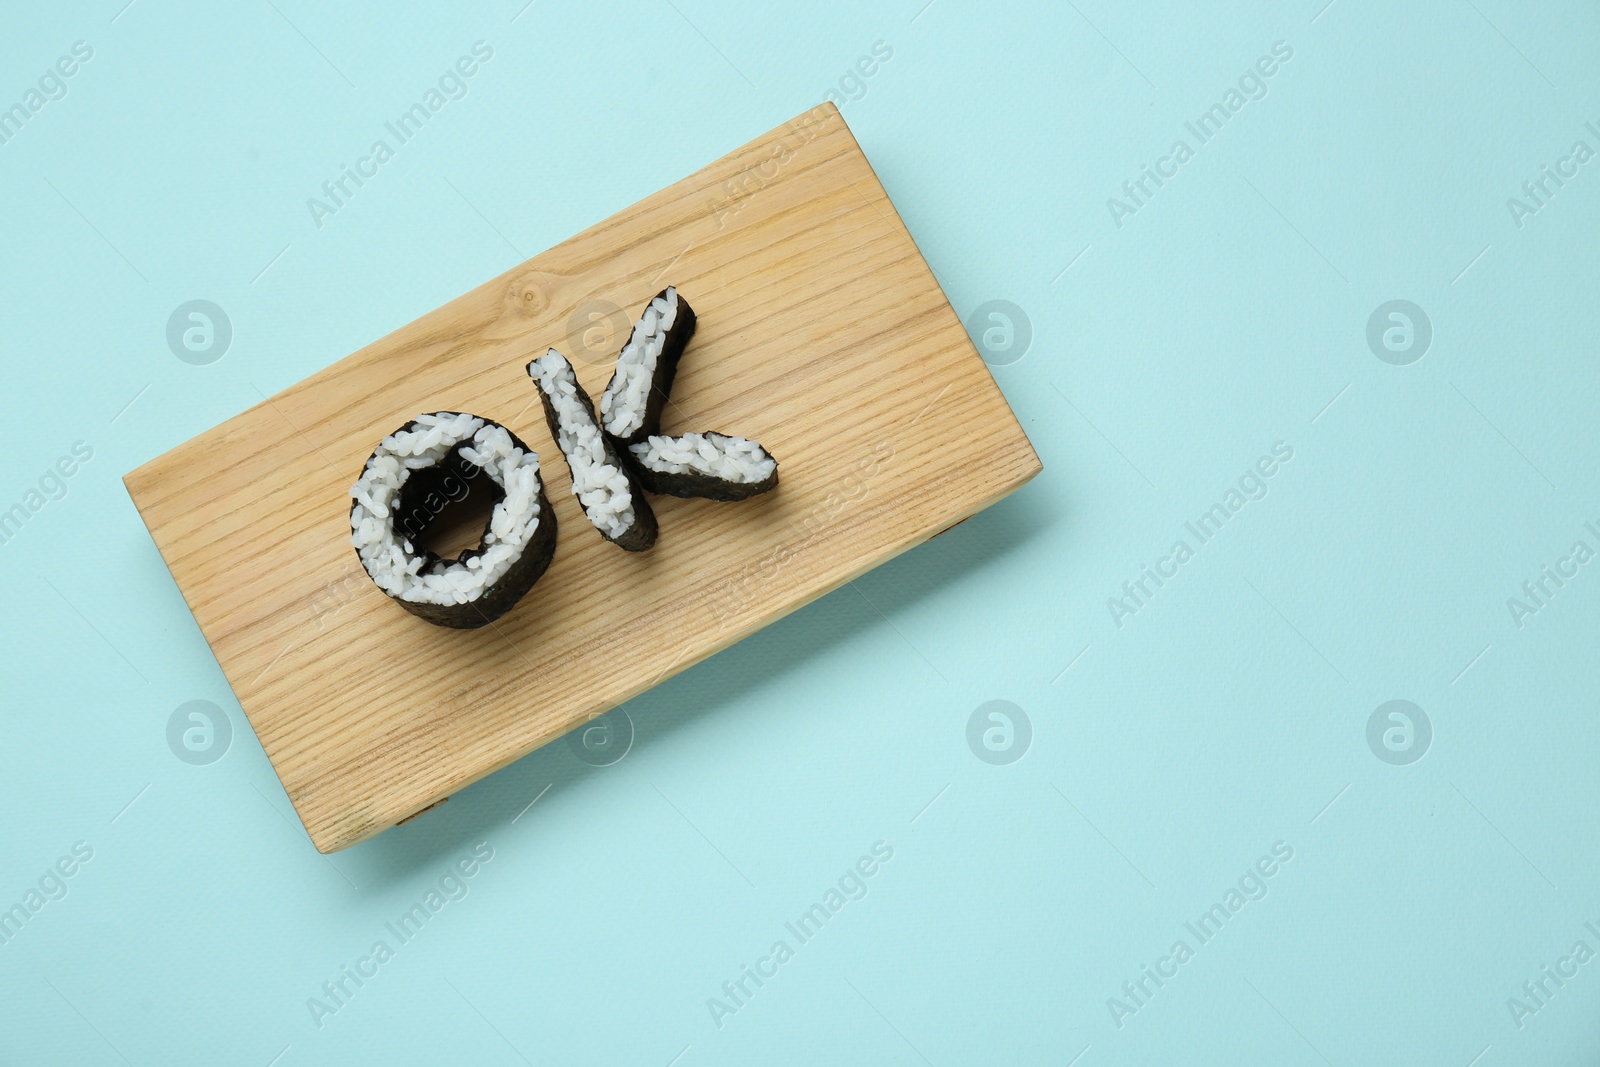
x=642 y=380
x=710 y=465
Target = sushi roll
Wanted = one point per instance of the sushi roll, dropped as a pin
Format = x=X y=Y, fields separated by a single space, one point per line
x=412 y=476
x=631 y=405
x=710 y=465
x=611 y=497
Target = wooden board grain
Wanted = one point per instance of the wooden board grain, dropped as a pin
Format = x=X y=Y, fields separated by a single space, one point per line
x=822 y=334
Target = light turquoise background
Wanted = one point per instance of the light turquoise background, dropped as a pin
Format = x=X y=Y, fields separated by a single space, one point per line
x=1167 y=754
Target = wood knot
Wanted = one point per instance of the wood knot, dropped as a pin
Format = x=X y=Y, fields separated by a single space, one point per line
x=530 y=296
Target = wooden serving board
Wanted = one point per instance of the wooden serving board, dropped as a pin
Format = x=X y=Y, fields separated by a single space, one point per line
x=822 y=334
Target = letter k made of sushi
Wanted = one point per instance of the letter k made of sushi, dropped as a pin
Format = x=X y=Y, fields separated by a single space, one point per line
x=617 y=455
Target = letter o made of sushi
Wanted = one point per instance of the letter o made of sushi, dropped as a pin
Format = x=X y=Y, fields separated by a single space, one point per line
x=404 y=486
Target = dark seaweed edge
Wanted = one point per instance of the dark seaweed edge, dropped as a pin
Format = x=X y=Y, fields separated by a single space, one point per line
x=642 y=534
x=433 y=562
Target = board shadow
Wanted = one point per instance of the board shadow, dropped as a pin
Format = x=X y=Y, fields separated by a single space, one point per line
x=489 y=808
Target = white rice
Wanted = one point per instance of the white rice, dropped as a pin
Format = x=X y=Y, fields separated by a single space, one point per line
x=600 y=486
x=392 y=561
x=716 y=455
x=622 y=407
